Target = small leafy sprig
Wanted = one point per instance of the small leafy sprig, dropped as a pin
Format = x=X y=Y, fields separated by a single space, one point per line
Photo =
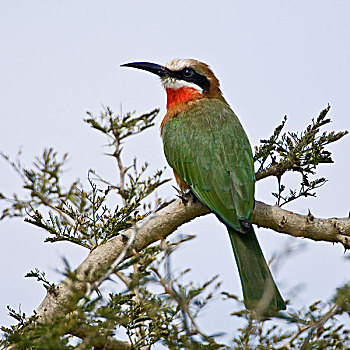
x=313 y=327
x=41 y=277
x=42 y=184
x=296 y=152
x=83 y=216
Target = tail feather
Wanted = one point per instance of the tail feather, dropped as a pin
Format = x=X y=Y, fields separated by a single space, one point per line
x=259 y=289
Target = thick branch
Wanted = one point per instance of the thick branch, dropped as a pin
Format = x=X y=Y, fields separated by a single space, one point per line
x=335 y=230
x=164 y=223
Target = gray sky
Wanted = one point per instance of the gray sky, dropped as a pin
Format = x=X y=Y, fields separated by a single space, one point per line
x=61 y=58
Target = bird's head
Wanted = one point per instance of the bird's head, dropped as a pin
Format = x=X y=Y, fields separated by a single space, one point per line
x=183 y=79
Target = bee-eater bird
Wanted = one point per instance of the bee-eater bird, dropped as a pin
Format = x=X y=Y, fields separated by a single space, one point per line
x=210 y=153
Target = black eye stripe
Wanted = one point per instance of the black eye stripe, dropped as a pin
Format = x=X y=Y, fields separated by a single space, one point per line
x=192 y=76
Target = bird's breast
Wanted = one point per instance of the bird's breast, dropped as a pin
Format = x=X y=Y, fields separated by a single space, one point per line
x=178 y=100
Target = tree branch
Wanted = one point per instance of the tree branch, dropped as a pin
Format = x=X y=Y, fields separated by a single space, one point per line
x=167 y=221
x=275 y=169
x=100 y=259
x=101 y=341
x=336 y=230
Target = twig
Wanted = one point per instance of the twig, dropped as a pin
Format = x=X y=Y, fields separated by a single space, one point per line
x=169 y=289
x=311 y=327
x=171 y=284
x=93 y=286
x=122 y=169
x=63 y=215
x=275 y=169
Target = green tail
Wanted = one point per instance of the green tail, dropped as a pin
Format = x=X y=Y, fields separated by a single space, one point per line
x=259 y=289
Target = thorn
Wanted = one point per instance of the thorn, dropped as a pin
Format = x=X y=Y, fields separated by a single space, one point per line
x=125 y=238
x=310 y=217
x=283 y=221
x=163 y=244
x=109 y=154
x=339 y=228
x=183 y=198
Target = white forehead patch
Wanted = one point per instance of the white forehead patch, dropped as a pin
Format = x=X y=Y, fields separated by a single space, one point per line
x=178 y=64
x=172 y=83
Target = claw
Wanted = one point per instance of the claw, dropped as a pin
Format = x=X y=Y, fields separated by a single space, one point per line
x=186 y=197
x=193 y=197
x=183 y=198
x=245 y=225
x=177 y=190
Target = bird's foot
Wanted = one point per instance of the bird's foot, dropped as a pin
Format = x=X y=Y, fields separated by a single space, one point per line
x=245 y=224
x=186 y=196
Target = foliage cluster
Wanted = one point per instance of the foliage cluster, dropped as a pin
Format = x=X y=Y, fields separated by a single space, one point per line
x=150 y=305
x=296 y=152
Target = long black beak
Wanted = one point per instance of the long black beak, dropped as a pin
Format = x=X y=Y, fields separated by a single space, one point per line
x=149 y=67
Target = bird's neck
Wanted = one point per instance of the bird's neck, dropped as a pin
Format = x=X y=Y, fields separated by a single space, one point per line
x=177 y=100
x=181 y=95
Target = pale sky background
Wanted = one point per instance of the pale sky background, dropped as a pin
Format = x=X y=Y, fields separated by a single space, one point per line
x=61 y=58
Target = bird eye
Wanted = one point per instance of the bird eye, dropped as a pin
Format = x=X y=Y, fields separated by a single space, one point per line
x=188 y=72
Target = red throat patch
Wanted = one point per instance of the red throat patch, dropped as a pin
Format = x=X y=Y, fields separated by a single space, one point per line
x=181 y=95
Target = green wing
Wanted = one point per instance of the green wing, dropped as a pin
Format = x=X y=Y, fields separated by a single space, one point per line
x=207 y=146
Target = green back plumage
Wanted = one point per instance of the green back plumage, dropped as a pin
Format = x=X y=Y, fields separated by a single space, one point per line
x=208 y=148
